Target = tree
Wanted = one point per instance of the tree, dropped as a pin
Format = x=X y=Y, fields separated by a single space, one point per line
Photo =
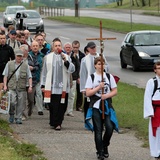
x=143 y=3
x=119 y=2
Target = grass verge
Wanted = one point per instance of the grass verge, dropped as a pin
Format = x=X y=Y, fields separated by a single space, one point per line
x=112 y=25
x=13 y=149
x=129 y=108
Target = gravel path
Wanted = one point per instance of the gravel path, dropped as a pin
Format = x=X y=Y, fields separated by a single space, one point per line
x=74 y=142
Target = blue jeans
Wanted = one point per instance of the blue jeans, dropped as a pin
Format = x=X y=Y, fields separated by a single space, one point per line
x=101 y=140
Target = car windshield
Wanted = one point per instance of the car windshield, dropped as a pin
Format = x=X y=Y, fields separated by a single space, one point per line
x=147 y=39
x=13 y=10
x=32 y=15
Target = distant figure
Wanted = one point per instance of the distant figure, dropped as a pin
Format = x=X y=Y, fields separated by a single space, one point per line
x=6 y=54
x=11 y=41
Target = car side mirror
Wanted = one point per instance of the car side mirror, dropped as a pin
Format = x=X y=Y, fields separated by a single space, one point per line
x=129 y=45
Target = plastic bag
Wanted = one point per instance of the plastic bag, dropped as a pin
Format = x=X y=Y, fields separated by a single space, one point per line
x=4 y=102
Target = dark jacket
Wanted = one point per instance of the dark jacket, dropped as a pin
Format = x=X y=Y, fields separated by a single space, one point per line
x=37 y=59
x=81 y=55
x=6 y=53
x=75 y=61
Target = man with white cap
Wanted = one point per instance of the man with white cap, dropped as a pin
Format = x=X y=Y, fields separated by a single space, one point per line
x=17 y=77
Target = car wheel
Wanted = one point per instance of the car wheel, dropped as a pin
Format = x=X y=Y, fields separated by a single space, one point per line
x=135 y=64
x=123 y=64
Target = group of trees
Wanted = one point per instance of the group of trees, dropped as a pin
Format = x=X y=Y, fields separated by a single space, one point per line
x=69 y=3
x=138 y=3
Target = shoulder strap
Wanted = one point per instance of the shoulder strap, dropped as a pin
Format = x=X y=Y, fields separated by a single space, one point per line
x=92 y=77
x=107 y=74
x=14 y=72
x=155 y=85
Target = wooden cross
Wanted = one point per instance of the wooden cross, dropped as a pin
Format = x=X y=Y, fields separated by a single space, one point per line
x=101 y=39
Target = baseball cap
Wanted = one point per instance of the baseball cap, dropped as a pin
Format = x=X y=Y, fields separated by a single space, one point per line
x=91 y=45
x=13 y=32
x=18 y=52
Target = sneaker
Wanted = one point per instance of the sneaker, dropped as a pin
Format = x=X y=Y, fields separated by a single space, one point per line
x=18 y=121
x=106 y=154
x=70 y=114
x=11 y=118
x=100 y=156
x=24 y=118
x=40 y=113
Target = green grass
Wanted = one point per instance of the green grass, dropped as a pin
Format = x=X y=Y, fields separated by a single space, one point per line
x=112 y=25
x=127 y=5
x=129 y=108
x=14 y=149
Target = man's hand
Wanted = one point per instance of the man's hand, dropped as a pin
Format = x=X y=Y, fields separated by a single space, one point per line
x=5 y=88
x=29 y=89
x=31 y=68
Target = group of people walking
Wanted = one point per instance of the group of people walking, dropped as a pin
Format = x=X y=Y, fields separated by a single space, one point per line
x=53 y=76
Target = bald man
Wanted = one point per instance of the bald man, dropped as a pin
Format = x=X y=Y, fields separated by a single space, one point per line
x=35 y=59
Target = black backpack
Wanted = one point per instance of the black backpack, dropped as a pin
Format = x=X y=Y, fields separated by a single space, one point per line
x=155 y=85
x=107 y=74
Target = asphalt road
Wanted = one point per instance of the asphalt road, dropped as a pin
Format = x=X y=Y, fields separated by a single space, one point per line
x=133 y=16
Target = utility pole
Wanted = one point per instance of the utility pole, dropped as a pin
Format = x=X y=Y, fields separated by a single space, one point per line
x=76 y=8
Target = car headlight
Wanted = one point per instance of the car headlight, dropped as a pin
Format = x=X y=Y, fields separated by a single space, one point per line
x=143 y=54
x=9 y=18
x=41 y=22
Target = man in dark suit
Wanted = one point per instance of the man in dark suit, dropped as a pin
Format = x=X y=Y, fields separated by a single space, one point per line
x=80 y=55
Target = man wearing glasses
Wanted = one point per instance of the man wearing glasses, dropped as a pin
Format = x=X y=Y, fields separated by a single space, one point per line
x=79 y=55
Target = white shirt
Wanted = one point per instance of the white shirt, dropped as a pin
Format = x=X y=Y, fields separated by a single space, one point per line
x=97 y=79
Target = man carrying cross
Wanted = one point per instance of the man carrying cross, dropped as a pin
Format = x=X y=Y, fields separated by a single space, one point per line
x=87 y=68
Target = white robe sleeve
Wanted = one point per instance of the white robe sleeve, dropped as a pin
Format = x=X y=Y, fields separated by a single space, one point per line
x=44 y=72
x=83 y=75
x=71 y=67
x=148 y=108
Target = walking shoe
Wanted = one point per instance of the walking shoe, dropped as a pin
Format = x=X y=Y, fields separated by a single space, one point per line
x=70 y=114
x=100 y=156
x=40 y=113
x=157 y=157
x=79 y=109
x=11 y=118
x=106 y=154
x=24 y=118
x=18 y=121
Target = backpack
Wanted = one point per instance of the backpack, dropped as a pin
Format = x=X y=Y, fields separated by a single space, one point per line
x=108 y=76
x=155 y=85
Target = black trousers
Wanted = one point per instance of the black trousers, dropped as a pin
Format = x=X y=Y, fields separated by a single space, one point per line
x=85 y=107
x=57 y=109
x=79 y=97
x=101 y=140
